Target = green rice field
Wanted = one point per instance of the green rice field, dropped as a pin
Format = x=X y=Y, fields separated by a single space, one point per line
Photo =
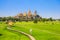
x=40 y=31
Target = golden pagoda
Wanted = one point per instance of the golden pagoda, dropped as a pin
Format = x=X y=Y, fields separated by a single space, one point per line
x=25 y=14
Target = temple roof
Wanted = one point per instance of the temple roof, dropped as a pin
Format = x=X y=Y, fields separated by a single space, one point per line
x=20 y=14
x=29 y=13
x=25 y=14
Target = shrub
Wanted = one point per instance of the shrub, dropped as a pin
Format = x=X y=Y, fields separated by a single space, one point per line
x=0 y=34
x=35 y=20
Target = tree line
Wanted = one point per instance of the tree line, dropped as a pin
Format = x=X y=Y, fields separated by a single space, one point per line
x=36 y=19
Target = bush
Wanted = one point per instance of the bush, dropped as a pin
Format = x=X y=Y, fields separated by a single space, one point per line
x=0 y=34
x=26 y=21
x=35 y=20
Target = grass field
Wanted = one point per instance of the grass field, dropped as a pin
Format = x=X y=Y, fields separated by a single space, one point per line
x=41 y=31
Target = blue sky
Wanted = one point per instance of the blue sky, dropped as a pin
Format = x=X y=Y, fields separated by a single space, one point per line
x=45 y=8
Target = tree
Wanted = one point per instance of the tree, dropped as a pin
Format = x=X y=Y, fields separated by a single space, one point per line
x=35 y=20
x=4 y=19
x=50 y=19
x=58 y=19
x=0 y=18
x=45 y=19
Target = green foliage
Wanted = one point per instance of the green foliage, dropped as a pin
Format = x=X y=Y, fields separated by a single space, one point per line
x=35 y=20
x=4 y=19
x=26 y=21
x=44 y=19
x=58 y=19
x=0 y=34
x=50 y=19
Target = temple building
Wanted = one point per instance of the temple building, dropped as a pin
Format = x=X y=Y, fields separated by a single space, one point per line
x=28 y=15
x=25 y=14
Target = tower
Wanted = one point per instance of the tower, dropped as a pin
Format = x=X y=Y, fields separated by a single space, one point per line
x=29 y=13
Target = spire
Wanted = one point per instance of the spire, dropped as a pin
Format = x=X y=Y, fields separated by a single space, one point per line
x=29 y=13
x=35 y=13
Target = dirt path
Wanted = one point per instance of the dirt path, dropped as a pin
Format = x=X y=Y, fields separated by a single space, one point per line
x=28 y=35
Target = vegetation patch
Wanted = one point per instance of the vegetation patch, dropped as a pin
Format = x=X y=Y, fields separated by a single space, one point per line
x=1 y=34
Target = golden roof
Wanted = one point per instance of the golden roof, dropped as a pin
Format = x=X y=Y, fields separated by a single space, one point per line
x=24 y=14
